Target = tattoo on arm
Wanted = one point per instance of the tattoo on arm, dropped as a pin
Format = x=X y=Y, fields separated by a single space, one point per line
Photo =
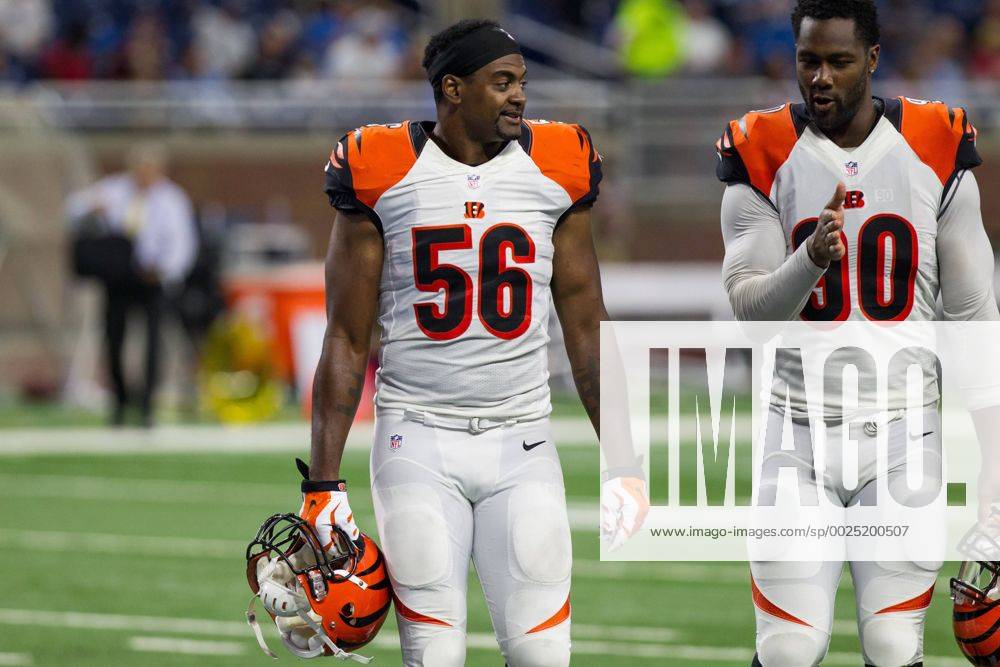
x=348 y=404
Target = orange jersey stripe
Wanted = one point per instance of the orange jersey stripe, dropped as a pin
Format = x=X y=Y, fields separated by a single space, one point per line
x=553 y=620
x=922 y=601
x=416 y=617
x=769 y=607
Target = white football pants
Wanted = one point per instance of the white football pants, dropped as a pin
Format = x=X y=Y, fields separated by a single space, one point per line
x=794 y=602
x=443 y=495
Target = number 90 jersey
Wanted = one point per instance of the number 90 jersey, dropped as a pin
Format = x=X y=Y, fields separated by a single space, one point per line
x=897 y=183
x=464 y=297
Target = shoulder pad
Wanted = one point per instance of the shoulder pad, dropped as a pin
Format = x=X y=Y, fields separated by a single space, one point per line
x=367 y=162
x=753 y=148
x=942 y=137
x=565 y=153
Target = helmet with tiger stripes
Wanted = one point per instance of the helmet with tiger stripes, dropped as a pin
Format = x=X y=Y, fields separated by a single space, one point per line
x=323 y=602
x=976 y=612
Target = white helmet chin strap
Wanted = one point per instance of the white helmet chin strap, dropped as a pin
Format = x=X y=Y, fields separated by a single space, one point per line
x=303 y=614
x=255 y=626
x=338 y=652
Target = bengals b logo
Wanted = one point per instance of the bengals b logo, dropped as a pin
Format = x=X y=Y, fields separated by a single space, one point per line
x=474 y=209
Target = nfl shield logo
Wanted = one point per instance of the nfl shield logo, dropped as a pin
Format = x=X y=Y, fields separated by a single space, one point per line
x=851 y=168
x=395 y=441
x=473 y=181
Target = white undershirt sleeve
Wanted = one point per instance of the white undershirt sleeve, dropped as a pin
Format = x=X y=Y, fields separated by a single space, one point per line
x=762 y=284
x=965 y=257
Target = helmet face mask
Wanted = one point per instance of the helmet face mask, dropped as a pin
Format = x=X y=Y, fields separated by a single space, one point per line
x=291 y=539
x=977 y=582
x=322 y=601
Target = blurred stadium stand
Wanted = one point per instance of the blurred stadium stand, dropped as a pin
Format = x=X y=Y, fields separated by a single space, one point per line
x=250 y=95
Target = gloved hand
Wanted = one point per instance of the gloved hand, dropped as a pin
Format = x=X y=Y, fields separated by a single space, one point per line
x=324 y=505
x=624 y=505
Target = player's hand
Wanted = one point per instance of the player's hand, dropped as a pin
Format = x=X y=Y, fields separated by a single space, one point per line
x=624 y=506
x=826 y=245
x=325 y=505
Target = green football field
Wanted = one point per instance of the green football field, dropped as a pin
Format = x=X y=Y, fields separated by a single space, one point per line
x=126 y=548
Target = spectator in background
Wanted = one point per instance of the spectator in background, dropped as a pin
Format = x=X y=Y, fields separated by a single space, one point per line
x=276 y=44
x=224 y=38
x=146 y=207
x=11 y=68
x=68 y=58
x=771 y=41
x=985 y=62
x=937 y=59
x=650 y=36
x=900 y=35
x=146 y=51
x=367 y=48
x=218 y=40
x=25 y=27
x=707 y=42
x=321 y=27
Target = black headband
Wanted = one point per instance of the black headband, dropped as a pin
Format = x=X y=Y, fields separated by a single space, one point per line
x=481 y=46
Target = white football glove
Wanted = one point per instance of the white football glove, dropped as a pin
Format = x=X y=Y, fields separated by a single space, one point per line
x=324 y=505
x=624 y=505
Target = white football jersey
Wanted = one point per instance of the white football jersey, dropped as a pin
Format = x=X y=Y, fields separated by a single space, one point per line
x=464 y=297
x=897 y=183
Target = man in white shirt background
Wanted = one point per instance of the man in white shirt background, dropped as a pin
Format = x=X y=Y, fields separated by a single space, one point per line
x=154 y=214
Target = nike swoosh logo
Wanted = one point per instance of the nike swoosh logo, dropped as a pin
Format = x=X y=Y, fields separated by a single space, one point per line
x=914 y=436
x=528 y=447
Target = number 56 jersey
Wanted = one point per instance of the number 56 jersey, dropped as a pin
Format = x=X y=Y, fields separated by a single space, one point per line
x=464 y=296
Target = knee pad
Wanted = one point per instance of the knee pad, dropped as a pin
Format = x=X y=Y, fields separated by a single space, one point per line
x=888 y=641
x=792 y=649
x=545 y=650
x=415 y=537
x=539 y=534
x=445 y=649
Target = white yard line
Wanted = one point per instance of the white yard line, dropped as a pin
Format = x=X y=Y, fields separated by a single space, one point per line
x=185 y=491
x=15 y=659
x=212 y=628
x=135 y=489
x=627 y=633
x=212 y=438
x=652 y=642
x=568 y=432
x=185 y=646
x=132 y=545
x=123 y=622
x=195 y=547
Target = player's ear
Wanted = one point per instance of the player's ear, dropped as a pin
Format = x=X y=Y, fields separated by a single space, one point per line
x=451 y=88
x=873 y=54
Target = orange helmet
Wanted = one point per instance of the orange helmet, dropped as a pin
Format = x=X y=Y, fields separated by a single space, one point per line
x=323 y=603
x=976 y=611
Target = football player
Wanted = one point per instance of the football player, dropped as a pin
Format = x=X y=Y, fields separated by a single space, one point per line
x=850 y=207
x=454 y=234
